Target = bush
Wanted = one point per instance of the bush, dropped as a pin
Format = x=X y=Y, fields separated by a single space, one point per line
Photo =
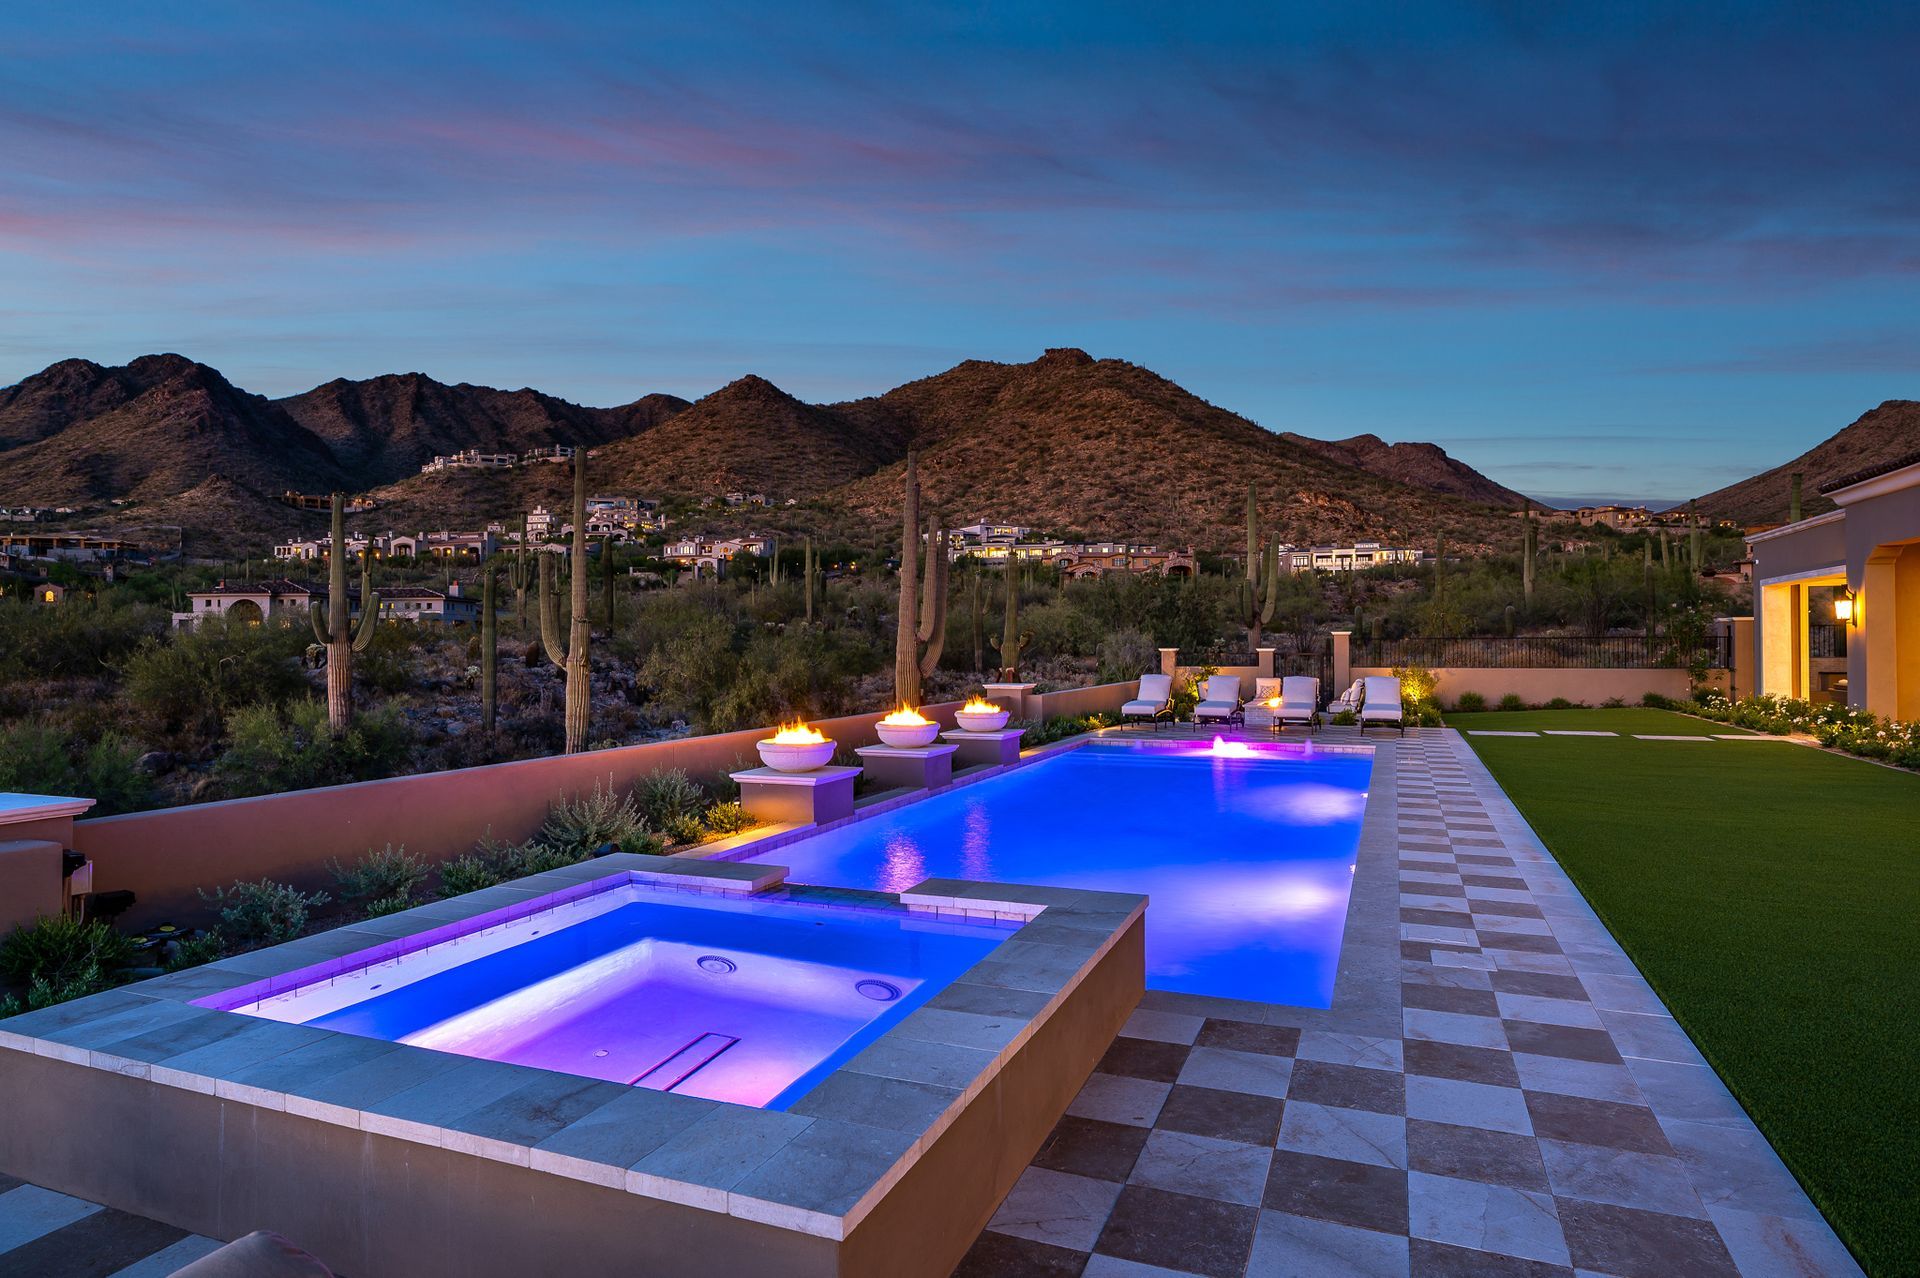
x=187 y=684
x=1561 y=703
x=1345 y=719
x=578 y=827
x=1062 y=726
x=1512 y=701
x=385 y=905
x=1654 y=701
x=1614 y=703
x=273 y=750
x=470 y=873
x=684 y=829
x=263 y=913
x=1470 y=703
x=61 y=951
x=728 y=817
x=1125 y=655
x=664 y=797
x=38 y=758
x=195 y=950
x=380 y=876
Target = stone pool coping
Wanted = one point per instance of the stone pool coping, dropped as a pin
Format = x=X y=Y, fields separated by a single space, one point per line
x=817 y=1168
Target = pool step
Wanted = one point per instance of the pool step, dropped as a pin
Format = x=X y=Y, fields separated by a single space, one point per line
x=685 y=1063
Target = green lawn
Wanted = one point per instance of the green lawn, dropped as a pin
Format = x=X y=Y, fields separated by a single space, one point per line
x=1771 y=894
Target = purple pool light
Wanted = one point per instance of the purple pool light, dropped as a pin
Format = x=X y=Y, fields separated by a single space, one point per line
x=750 y=1001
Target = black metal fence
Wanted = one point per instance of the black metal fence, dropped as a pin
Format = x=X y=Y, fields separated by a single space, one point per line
x=1826 y=639
x=1552 y=652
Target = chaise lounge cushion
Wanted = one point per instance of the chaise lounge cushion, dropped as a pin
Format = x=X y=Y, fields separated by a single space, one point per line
x=258 y=1255
x=1156 y=690
x=1383 y=701
x=1221 y=699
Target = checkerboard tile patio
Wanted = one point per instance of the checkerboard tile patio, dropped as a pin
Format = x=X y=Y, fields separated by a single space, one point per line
x=1501 y=1095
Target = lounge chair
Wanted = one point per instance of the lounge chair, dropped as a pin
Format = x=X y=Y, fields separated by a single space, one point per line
x=1349 y=700
x=1220 y=702
x=1153 y=702
x=1382 y=703
x=1257 y=713
x=1299 y=700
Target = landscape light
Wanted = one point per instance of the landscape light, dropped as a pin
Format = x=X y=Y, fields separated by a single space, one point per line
x=1843 y=608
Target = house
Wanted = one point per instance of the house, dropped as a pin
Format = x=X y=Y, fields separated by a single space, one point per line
x=1361 y=554
x=250 y=602
x=474 y=459
x=65 y=547
x=49 y=592
x=995 y=546
x=1836 y=601
x=711 y=555
x=555 y=453
x=1618 y=518
x=451 y=607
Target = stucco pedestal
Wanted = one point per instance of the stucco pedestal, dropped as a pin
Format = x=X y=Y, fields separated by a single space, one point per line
x=798 y=798
x=995 y=749
x=909 y=767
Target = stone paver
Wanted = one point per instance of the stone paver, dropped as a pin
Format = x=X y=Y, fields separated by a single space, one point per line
x=52 y=1235
x=1501 y=1094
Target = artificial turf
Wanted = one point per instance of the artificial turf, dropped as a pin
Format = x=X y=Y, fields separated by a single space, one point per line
x=1771 y=895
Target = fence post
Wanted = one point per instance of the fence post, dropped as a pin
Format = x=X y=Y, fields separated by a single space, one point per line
x=1342 y=660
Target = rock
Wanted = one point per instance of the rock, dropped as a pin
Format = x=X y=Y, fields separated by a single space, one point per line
x=154 y=763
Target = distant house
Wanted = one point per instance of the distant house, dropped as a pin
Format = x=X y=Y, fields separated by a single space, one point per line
x=995 y=545
x=451 y=607
x=1361 y=554
x=250 y=602
x=471 y=459
x=65 y=547
x=555 y=453
x=710 y=555
x=1618 y=518
x=49 y=592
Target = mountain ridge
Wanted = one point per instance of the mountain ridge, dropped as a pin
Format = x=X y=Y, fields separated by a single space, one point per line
x=1879 y=436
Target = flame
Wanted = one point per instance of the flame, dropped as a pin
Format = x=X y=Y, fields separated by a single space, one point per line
x=1273 y=703
x=797 y=734
x=979 y=705
x=906 y=717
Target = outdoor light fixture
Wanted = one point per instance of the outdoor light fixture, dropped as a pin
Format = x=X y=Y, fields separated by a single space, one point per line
x=1843 y=607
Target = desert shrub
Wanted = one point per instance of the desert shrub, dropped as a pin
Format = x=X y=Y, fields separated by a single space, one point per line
x=39 y=758
x=263 y=913
x=195 y=950
x=1560 y=703
x=728 y=817
x=1417 y=684
x=684 y=829
x=1428 y=715
x=1125 y=655
x=1470 y=703
x=469 y=873
x=667 y=795
x=1654 y=701
x=1614 y=703
x=584 y=824
x=62 y=951
x=187 y=684
x=1513 y=701
x=1344 y=719
x=275 y=749
x=380 y=876
x=393 y=904
x=77 y=639
x=1062 y=726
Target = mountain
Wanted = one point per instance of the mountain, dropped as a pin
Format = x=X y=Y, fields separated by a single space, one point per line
x=1064 y=443
x=385 y=428
x=1109 y=449
x=1883 y=435
x=157 y=427
x=1420 y=465
x=751 y=436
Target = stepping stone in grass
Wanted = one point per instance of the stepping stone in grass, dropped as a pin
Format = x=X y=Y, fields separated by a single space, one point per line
x=1585 y=732
x=1654 y=736
x=1728 y=736
x=1488 y=732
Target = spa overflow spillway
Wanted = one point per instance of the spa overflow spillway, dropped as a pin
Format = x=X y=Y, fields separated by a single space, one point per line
x=1245 y=852
x=748 y=1001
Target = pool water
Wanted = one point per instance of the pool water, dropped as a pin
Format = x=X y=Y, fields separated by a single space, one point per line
x=1245 y=852
x=751 y=1002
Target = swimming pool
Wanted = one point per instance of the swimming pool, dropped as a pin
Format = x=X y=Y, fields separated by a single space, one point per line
x=1245 y=852
x=748 y=1001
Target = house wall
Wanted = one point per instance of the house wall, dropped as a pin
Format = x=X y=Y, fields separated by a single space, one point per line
x=167 y=857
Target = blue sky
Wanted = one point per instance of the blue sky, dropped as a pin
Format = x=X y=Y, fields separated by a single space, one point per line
x=1593 y=250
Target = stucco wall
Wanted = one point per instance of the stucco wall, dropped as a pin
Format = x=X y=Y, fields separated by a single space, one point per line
x=167 y=857
x=1537 y=686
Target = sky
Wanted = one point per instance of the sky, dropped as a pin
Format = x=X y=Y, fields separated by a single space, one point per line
x=1618 y=251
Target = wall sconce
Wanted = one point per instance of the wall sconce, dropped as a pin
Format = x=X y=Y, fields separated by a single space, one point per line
x=1843 y=608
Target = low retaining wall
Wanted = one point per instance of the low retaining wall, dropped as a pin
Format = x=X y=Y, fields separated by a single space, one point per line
x=1538 y=685
x=166 y=857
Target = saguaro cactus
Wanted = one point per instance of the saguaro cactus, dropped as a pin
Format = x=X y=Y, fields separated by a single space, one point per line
x=336 y=631
x=489 y=643
x=922 y=629
x=809 y=575
x=1261 y=589
x=518 y=575
x=573 y=656
x=608 y=564
x=1695 y=548
x=979 y=622
x=1529 y=552
x=1012 y=639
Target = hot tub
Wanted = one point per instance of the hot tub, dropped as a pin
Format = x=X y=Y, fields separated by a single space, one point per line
x=748 y=1001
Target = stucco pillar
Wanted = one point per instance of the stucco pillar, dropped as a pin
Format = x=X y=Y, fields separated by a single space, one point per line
x=1263 y=663
x=1342 y=660
x=1169 y=661
x=1741 y=653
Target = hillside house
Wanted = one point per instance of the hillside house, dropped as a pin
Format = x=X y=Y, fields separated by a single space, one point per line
x=710 y=556
x=251 y=602
x=450 y=607
x=1618 y=518
x=472 y=459
x=1353 y=558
